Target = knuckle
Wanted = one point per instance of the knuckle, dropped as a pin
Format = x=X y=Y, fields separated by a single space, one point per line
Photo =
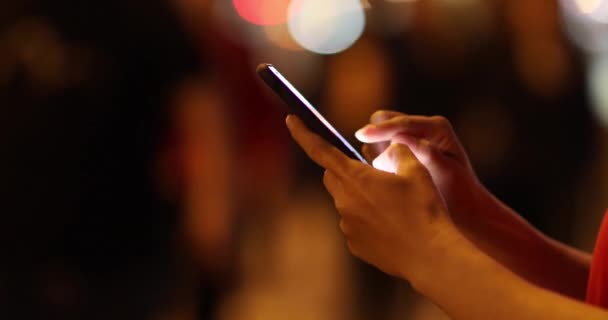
x=340 y=208
x=442 y=121
x=376 y=114
x=402 y=118
x=326 y=178
x=352 y=248
x=343 y=226
x=379 y=115
x=359 y=174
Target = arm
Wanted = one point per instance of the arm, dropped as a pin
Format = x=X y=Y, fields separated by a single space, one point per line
x=490 y=225
x=509 y=239
x=467 y=284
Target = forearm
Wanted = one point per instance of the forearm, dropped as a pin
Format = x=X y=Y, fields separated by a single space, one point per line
x=512 y=241
x=467 y=284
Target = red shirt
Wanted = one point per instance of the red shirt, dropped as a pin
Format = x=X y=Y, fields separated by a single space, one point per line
x=597 y=289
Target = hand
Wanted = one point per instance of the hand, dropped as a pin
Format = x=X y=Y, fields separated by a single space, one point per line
x=434 y=143
x=395 y=221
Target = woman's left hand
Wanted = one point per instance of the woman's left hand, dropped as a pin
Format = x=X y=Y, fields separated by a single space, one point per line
x=394 y=220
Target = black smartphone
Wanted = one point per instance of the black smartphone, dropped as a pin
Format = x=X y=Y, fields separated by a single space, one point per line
x=299 y=106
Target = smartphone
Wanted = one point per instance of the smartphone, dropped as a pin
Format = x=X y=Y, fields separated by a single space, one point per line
x=299 y=106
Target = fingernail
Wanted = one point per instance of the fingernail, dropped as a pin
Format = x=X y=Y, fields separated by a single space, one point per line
x=360 y=134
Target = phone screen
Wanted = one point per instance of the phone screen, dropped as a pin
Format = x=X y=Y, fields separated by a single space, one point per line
x=305 y=110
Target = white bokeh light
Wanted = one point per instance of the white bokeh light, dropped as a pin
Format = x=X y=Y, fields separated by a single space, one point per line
x=586 y=23
x=598 y=82
x=595 y=9
x=326 y=26
x=587 y=6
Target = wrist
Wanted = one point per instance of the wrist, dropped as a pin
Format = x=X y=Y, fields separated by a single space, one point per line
x=472 y=205
x=437 y=257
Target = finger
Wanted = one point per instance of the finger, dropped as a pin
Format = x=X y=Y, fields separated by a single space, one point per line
x=354 y=249
x=379 y=116
x=319 y=150
x=428 y=154
x=344 y=227
x=430 y=128
x=383 y=115
x=333 y=184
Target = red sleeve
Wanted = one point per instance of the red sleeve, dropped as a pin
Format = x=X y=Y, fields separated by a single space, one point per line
x=597 y=289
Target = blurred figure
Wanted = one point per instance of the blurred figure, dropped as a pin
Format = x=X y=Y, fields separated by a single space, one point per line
x=296 y=268
x=101 y=119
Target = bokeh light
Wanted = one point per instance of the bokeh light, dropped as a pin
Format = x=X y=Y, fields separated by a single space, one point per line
x=326 y=26
x=595 y=9
x=262 y=12
x=587 y=6
x=586 y=23
x=598 y=82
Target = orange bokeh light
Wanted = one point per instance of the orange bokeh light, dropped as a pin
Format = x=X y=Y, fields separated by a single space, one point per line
x=262 y=12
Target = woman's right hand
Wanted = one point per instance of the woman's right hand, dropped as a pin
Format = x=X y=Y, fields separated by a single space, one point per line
x=436 y=146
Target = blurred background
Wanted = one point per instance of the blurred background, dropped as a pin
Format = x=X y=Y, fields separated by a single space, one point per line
x=145 y=171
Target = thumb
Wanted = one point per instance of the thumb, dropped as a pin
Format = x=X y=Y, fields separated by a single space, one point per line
x=400 y=157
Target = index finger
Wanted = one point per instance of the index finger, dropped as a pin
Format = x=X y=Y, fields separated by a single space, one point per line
x=319 y=150
x=384 y=115
x=428 y=128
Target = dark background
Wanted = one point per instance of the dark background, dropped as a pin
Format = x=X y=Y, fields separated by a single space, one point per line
x=145 y=172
